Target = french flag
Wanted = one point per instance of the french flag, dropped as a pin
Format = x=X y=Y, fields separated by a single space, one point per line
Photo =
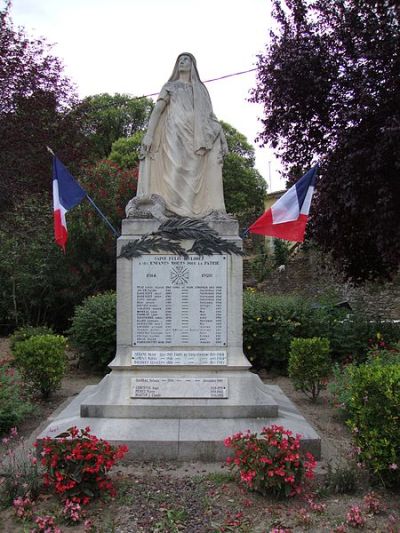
x=67 y=193
x=288 y=217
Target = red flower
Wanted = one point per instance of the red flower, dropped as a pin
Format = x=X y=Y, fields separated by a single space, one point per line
x=83 y=456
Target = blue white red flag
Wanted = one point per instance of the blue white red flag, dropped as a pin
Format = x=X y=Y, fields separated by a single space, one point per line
x=287 y=218
x=67 y=193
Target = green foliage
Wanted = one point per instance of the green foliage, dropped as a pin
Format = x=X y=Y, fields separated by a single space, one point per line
x=77 y=465
x=261 y=263
x=20 y=469
x=42 y=361
x=331 y=47
x=125 y=151
x=32 y=270
x=271 y=462
x=244 y=187
x=351 y=336
x=38 y=283
x=385 y=355
x=106 y=118
x=173 y=521
x=270 y=323
x=281 y=252
x=36 y=98
x=374 y=408
x=341 y=479
x=309 y=365
x=93 y=329
x=26 y=332
x=14 y=405
x=340 y=388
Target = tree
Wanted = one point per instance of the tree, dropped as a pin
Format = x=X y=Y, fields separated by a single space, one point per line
x=106 y=118
x=244 y=187
x=38 y=283
x=125 y=151
x=330 y=85
x=35 y=105
x=33 y=277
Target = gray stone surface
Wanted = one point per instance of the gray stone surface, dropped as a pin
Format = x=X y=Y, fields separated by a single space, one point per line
x=178 y=358
x=136 y=228
x=182 y=151
x=177 y=387
x=184 y=424
x=248 y=397
x=180 y=439
x=179 y=301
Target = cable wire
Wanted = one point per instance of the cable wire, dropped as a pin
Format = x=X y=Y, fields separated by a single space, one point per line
x=209 y=81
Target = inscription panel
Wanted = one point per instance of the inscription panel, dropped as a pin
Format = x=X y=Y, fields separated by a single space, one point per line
x=178 y=358
x=179 y=388
x=178 y=301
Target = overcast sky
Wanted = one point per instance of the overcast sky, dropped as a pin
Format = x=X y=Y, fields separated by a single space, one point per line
x=130 y=46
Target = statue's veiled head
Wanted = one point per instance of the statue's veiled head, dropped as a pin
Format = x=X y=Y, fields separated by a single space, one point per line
x=185 y=62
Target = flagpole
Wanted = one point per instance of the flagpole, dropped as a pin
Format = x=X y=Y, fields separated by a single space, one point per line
x=101 y=214
x=105 y=219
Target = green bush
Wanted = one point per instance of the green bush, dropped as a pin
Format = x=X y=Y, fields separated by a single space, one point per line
x=270 y=323
x=384 y=355
x=14 y=405
x=26 y=332
x=340 y=388
x=341 y=479
x=309 y=365
x=42 y=362
x=93 y=329
x=374 y=417
x=340 y=385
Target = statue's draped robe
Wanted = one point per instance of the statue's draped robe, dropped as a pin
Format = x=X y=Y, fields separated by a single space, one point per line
x=184 y=165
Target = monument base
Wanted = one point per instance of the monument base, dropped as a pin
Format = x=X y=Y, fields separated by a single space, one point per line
x=179 y=382
x=180 y=439
x=244 y=396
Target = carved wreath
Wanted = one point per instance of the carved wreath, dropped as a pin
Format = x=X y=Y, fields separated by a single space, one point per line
x=168 y=236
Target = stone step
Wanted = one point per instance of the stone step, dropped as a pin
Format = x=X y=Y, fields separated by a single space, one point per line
x=178 y=439
x=180 y=396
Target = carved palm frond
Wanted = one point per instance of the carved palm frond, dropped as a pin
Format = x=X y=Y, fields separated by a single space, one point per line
x=151 y=243
x=186 y=228
x=206 y=246
x=167 y=237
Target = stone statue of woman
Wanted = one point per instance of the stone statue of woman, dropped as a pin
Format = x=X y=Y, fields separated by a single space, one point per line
x=182 y=151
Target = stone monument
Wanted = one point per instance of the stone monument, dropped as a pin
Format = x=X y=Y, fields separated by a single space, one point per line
x=180 y=383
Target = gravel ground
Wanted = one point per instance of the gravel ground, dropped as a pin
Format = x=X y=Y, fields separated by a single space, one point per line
x=156 y=497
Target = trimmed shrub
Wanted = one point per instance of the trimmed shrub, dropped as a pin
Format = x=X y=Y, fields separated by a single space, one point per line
x=309 y=365
x=271 y=322
x=14 y=405
x=340 y=385
x=42 y=362
x=384 y=355
x=340 y=388
x=374 y=410
x=26 y=332
x=93 y=329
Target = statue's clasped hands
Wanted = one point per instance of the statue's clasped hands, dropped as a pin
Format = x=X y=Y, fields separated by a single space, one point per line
x=147 y=142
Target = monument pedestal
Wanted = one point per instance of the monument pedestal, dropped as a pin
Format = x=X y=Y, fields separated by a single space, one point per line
x=179 y=383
